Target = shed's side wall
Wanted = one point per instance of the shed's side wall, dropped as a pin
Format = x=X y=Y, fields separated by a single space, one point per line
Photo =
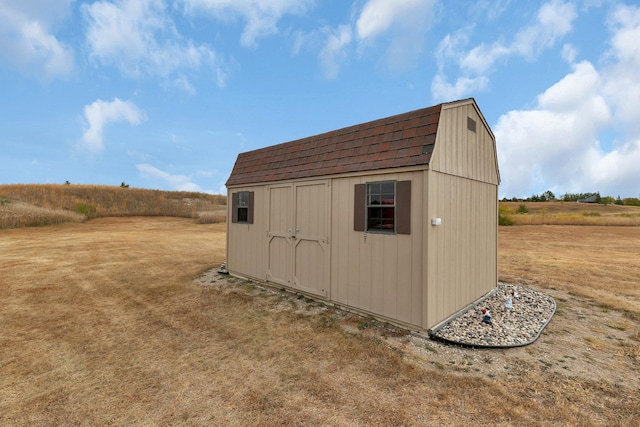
x=462 y=190
x=462 y=251
x=246 y=246
x=378 y=273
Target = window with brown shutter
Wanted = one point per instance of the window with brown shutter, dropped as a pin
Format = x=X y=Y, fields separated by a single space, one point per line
x=242 y=207
x=383 y=207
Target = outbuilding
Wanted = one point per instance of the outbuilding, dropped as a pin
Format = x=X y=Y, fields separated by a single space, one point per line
x=395 y=218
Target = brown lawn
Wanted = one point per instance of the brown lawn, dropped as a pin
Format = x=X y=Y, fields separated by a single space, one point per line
x=104 y=324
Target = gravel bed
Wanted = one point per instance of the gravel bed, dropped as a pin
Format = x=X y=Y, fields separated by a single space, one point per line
x=518 y=326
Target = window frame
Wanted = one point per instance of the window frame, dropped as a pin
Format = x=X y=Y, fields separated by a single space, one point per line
x=242 y=207
x=402 y=221
x=380 y=192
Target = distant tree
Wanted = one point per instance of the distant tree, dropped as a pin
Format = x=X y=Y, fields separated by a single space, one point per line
x=619 y=201
x=607 y=200
x=631 y=201
x=548 y=195
x=522 y=209
x=67 y=183
x=123 y=185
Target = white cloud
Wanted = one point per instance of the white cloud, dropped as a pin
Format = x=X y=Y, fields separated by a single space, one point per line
x=175 y=182
x=101 y=113
x=26 y=37
x=481 y=58
x=569 y=53
x=261 y=16
x=333 y=53
x=553 y=21
x=442 y=89
x=140 y=39
x=559 y=144
x=404 y=24
x=378 y=16
x=182 y=83
x=622 y=85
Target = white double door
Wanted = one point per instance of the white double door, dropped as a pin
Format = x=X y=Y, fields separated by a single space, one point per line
x=298 y=236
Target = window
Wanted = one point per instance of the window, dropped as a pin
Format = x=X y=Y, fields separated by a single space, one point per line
x=242 y=207
x=383 y=207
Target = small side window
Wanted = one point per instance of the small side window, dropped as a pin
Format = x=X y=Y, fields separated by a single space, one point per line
x=242 y=207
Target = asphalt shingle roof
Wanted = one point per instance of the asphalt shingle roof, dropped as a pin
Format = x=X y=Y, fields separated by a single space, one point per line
x=397 y=141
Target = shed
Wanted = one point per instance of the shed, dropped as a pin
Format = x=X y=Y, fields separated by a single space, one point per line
x=395 y=218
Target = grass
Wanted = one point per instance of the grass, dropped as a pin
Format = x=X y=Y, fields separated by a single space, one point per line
x=78 y=298
x=568 y=213
x=599 y=263
x=48 y=204
x=103 y=324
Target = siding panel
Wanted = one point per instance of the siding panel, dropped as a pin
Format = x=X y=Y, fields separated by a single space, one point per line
x=376 y=272
x=462 y=252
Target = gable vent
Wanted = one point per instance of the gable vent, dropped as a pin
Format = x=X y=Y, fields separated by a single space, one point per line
x=471 y=124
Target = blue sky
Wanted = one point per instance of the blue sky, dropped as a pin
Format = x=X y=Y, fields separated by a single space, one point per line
x=164 y=94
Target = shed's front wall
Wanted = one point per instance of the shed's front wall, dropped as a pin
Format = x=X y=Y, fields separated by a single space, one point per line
x=288 y=242
x=377 y=272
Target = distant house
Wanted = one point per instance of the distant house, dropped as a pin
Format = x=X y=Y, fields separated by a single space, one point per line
x=590 y=199
x=395 y=218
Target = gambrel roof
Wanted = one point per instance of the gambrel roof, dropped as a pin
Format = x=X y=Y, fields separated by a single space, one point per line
x=397 y=141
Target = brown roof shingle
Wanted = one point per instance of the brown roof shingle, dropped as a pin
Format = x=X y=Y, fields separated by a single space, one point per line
x=395 y=141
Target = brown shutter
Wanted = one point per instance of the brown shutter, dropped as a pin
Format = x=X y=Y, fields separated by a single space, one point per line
x=403 y=207
x=234 y=207
x=250 y=209
x=359 y=207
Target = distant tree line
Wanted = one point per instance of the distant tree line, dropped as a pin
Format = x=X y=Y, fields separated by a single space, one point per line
x=548 y=196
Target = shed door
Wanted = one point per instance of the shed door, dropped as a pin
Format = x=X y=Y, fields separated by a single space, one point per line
x=280 y=235
x=298 y=237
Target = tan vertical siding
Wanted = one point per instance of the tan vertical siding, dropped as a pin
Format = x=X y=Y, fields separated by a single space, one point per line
x=245 y=242
x=379 y=273
x=462 y=252
x=417 y=279
x=279 y=216
x=462 y=152
x=311 y=242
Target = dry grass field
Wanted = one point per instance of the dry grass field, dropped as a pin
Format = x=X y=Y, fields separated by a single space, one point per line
x=110 y=322
x=34 y=205
x=571 y=213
